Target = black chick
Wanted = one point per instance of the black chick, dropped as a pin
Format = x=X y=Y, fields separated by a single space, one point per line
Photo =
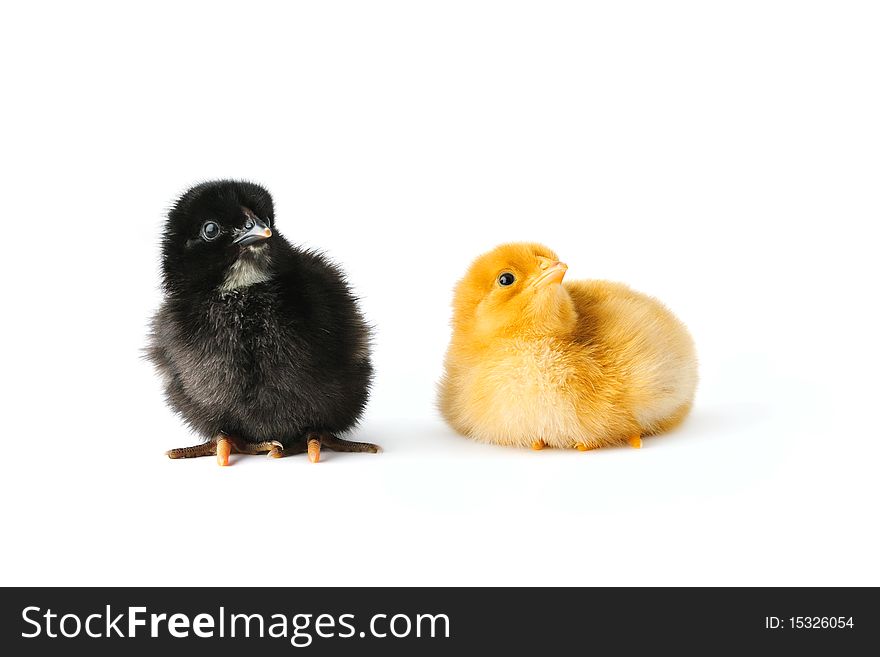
x=261 y=344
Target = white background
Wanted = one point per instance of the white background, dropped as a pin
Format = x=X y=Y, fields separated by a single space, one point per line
x=723 y=157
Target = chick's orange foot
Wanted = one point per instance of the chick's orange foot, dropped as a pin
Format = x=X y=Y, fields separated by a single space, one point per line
x=223 y=445
x=316 y=440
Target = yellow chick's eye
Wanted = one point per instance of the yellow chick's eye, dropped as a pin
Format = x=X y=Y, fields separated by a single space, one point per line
x=506 y=279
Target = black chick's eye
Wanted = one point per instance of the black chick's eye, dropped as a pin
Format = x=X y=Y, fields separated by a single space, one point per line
x=506 y=279
x=248 y=224
x=210 y=230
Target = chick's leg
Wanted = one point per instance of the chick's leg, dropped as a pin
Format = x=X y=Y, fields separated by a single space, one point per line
x=316 y=440
x=223 y=445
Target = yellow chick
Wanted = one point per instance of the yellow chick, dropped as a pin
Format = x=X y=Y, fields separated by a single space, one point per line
x=533 y=362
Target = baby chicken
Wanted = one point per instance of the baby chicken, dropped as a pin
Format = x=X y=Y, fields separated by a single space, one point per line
x=533 y=362
x=261 y=344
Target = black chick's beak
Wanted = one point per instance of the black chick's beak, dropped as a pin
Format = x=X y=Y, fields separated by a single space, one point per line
x=254 y=231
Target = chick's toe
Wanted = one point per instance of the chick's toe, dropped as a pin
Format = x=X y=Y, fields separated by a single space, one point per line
x=223 y=445
x=335 y=444
x=314 y=441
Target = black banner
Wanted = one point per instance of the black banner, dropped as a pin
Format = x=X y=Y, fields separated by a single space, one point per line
x=422 y=621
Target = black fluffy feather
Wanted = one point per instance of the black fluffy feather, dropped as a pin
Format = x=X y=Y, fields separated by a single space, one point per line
x=274 y=359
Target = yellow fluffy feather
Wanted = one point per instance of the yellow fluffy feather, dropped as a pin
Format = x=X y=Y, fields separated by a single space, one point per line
x=534 y=362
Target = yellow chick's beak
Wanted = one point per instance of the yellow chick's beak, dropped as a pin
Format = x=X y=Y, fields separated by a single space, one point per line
x=552 y=271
